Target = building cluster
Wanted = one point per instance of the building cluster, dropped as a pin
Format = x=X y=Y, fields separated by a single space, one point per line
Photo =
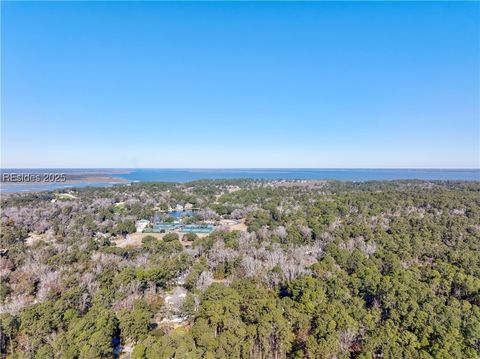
x=145 y=226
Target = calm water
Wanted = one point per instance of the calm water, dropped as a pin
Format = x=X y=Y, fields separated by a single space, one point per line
x=180 y=214
x=177 y=175
x=186 y=175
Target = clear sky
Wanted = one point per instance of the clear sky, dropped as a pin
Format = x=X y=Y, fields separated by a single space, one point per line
x=213 y=84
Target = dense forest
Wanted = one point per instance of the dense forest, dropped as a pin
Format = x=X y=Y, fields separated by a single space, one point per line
x=319 y=269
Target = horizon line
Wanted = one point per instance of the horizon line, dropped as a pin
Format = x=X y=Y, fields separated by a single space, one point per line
x=249 y=168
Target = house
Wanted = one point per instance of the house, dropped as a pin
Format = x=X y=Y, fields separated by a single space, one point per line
x=142 y=224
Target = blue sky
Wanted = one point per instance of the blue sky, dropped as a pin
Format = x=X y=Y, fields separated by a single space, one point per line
x=214 y=84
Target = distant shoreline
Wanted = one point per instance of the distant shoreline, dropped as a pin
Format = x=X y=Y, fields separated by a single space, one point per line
x=72 y=176
x=86 y=179
x=73 y=179
x=105 y=178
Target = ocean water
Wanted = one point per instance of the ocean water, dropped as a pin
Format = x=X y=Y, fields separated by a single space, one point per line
x=186 y=175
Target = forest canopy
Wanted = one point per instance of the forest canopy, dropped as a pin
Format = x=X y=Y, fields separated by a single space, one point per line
x=299 y=269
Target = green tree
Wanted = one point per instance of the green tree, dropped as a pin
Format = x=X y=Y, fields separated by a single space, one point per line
x=135 y=324
x=170 y=237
